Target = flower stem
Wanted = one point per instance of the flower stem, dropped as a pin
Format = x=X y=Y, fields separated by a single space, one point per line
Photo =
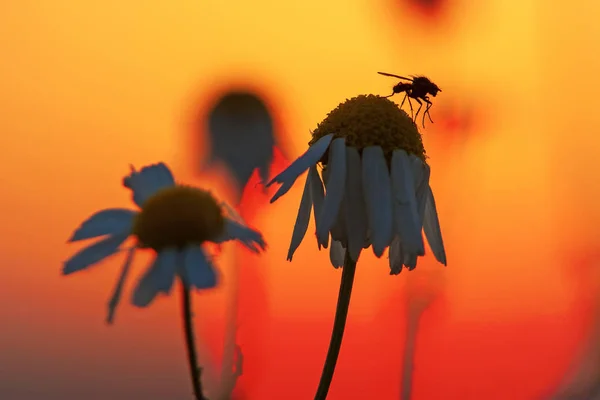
x=195 y=371
x=339 y=323
x=408 y=361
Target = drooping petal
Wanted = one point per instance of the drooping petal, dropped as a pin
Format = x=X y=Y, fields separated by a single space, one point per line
x=337 y=254
x=396 y=257
x=410 y=260
x=406 y=214
x=111 y=221
x=302 y=220
x=317 y=193
x=158 y=278
x=431 y=226
x=250 y=238
x=149 y=180
x=198 y=270
x=94 y=253
x=339 y=231
x=354 y=204
x=334 y=188
x=421 y=173
x=118 y=290
x=310 y=158
x=378 y=198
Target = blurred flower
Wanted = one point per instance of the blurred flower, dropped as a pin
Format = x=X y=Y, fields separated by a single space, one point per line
x=242 y=137
x=174 y=221
x=376 y=194
x=377 y=189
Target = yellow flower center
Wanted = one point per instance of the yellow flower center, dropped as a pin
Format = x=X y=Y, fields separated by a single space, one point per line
x=177 y=217
x=369 y=120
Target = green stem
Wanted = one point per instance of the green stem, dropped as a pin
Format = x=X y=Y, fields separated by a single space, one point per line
x=195 y=371
x=339 y=323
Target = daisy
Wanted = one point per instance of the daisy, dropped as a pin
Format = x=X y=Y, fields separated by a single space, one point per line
x=373 y=191
x=174 y=221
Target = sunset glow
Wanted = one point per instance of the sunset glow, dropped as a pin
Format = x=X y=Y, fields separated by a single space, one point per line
x=87 y=88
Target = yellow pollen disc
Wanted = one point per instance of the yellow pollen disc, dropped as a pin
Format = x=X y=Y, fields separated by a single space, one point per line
x=369 y=120
x=177 y=217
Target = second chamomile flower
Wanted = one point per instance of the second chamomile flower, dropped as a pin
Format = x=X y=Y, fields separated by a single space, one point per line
x=173 y=220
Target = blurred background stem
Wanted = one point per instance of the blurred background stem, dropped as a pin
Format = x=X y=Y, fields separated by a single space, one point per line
x=408 y=360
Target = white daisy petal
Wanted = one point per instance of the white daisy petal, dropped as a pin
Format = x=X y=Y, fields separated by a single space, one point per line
x=118 y=290
x=354 y=204
x=339 y=229
x=337 y=254
x=310 y=158
x=318 y=197
x=396 y=257
x=421 y=173
x=149 y=180
x=169 y=259
x=199 y=271
x=158 y=278
x=378 y=198
x=334 y=188
x=406 y=214
x=94 y=253
x=302 y=220
x=231 y=213
x=111 y=221
x=431 y=226
x=248 y=237
x=410 y=260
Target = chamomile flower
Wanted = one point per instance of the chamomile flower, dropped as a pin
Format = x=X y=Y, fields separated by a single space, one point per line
x=173 y=220
x=376 y=185
x=373 y=191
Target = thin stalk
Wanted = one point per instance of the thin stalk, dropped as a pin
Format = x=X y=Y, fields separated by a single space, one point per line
x=195 y=371
x=408 y=361
x=339 y=324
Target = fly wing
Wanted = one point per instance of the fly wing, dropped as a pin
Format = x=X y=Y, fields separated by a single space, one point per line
x=394 y=76
x=242 y=138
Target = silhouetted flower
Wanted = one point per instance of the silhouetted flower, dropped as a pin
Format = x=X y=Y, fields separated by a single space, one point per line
x=376 y=194
x=174 y=221
x=377 y=189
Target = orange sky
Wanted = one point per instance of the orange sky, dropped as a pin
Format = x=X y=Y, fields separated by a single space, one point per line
x=87 y=89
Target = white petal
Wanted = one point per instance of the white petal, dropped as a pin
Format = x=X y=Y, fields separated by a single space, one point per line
x=334 y=188
x=410 y=260
x=354 y=204
x=378 y=198
x=112 y=221
x=199 y=271
x=232 y=214
x=118 y=290
x=421 y=173
x=318 y=196
x=339 y=231
x=337 y=254
x=158 y=278
x=406 y=214
x=149 y=180
x=94 y=253
x=301 y=225
x=431 y=226
x=396 y=256
x=250 y=238
x=310 y=158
